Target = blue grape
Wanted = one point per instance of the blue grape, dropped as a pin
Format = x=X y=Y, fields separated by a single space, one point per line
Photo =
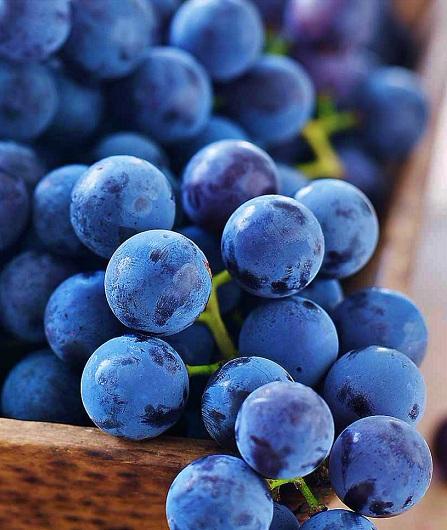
x=14 y=208
x=272 y=246
x=325 y=293
x=51 y=211
x=295 y=333
x=221 y=177
x=26 y=284
x=118 y=197
x=79 y=111
x=116 y=393
x=131 y=144
x=338 y=519
x=272 y=101
x=219 y=492
x=195 y=344
x=284 y=430
x=283 y=518
x=41 y=387
x=375 y=381
x=349 y=224
x=290 y=180
x=109 y=39
x=271 y=11
x=32 y=31
x=330 y=23
x=21 y=161
x=169 y=96
x=218 y=128
x=227 y=389
x=336 y=73
x=381 y=317
x=380 y=466
x=158 y=282
x=208 y=243
x=226 y=36
x=363 y=171
x=395 y=111
x=28 y=100
x=78 y=319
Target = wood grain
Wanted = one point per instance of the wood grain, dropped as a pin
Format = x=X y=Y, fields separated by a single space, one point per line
x=73 y=478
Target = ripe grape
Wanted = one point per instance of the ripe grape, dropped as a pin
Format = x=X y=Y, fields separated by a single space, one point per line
x=284 y=430
x=14 y=208
x=78 y=319
x=158 y=282
x=375 y=381
x=118 y=197
x=295 y=333
x=349 y=224
x=338 y=519
x=227 y=389
x=219 y=492
x=283 y=518
x=272 y=246
x=21 y=161
x=195 y=344
x=116 y=393
x=226 y=36
x=51 y=210
x=290 y=180
x=380 y=466
x=377 y=316
x=221 y=177
x=325 y=293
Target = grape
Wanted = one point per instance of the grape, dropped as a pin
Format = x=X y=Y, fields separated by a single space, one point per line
x=226 y=36
x=227 y=389
x=439 y=448
x=336 y=73
x=330 y=23
x=108 y=39
x=118 y=197
x=272 y=246
x=32 y=30
x=375 y=381
x=284 y=430
x=131 y=144
x=295 y=333
x=21 y=161
x=158 y=282
x=361 y=170
x=168 y=96
x=195 y=344
x=51 y=212
x=78 y=319
x=349 y=224
x=26 y=284
x=271 y=11
x=272 y=101
x=325 y=293
x=218 y=492
x=28 y=100
x=116 y=393
x=338 y=519
x=14 y=208
x=380 y=466
x=79 y=112
x=290 y=180
x=382 y=317
x=218 y=128
x=395 y=111
x=208 y=243
x=40 y=387
x=164 y=9
x=283 y=518
x=221 y=177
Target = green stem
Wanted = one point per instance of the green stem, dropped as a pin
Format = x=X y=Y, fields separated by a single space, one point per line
x=211 y=317
x=203 y=369
x=313 y=503
x=276 y=44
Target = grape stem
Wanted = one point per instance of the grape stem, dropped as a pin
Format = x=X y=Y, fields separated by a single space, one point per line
x=314 y=505
x=203 y=369
x=212 y=318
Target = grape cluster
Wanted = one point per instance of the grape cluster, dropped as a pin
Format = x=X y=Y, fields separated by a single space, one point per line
x=184 y=186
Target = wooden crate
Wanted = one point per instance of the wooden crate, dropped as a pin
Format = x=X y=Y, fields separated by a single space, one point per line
x=64 y=477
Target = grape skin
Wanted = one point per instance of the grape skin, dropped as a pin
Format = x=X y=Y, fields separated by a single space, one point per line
x=283 y=518
x=325 y=293
x=14 y=209
x=116 y=393
x=21 y=161
x=338 y=519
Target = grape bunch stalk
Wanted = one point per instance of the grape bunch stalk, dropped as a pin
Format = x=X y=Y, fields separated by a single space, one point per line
x=184 y=188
